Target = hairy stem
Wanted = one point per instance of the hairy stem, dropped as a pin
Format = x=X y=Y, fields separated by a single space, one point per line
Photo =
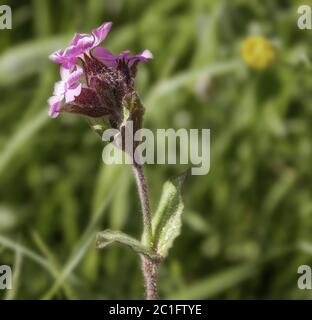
x=150 y=273
x=149 y=267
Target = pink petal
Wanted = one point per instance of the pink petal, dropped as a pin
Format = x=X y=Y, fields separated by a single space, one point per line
x=72 y=92
x=59 y=89
x=100 y=33
x=104 y=56
x=75 y=76
x=142 y=57
x=109 y=59
x=67 y=58
x=65 y=72
x=82 y=42
x=57 y=56
x=55 y=106
x=147 y=54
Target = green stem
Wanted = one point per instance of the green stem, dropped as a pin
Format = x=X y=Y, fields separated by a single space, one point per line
x=149 y=267
x=144 y=199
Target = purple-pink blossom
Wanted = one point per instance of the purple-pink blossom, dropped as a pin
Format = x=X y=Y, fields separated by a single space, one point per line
x=108 y=79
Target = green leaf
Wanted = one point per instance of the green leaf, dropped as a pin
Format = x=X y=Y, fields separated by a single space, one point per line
x=108 y=237
x=167 y=221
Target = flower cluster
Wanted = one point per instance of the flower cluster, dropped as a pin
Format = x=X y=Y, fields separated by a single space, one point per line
x=96 y=83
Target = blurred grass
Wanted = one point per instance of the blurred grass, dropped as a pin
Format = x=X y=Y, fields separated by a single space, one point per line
x=247 y=224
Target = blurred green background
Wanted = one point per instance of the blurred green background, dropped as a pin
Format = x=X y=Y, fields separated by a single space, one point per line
x=247 y=224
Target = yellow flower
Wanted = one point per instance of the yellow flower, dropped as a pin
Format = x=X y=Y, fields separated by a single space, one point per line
x=257 y=52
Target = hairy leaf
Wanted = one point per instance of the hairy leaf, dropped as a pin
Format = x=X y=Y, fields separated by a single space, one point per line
x=167 y=220
x=108 y=237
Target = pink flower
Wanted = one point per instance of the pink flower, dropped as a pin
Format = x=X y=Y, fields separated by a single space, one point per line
x=80 y=44
x=109 y=79
x=66 y=89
